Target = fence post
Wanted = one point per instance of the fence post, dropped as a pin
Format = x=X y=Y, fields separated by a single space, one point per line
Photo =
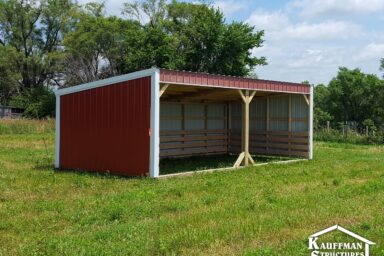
x=328 y=126
x=366 y=130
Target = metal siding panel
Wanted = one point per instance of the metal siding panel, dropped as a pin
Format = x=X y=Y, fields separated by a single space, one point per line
x=106 y=128
x=215 y=111
x=167 y=112
x=173 y=76
x=236 y=115
x=278 y=107
x=299 y=111
x=257 y=114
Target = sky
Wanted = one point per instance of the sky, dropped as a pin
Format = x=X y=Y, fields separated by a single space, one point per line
x=308 y=39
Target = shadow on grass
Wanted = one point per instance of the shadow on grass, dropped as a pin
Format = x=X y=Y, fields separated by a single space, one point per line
x=197 y=163
x=49 y=167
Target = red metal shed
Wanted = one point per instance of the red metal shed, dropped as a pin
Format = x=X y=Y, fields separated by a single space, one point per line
x=120 y=125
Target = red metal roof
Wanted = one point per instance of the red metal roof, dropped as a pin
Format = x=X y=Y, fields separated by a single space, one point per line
x=204 y=79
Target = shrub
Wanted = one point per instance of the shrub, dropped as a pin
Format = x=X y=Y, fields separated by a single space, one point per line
x=38 y=102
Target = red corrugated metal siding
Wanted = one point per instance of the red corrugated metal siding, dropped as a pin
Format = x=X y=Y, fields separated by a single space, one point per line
x=106 y=128
x=184 y=77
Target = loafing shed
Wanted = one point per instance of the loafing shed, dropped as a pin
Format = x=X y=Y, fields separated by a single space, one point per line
x=125 y=124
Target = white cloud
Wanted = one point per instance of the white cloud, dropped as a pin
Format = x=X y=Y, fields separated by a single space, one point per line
x=230 y=6
x=268 y=20
x=323 y=30
x=311 y=8
x=371 y=51
x=278 y=25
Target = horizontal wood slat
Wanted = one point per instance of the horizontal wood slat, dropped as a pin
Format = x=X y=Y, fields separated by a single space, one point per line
x=169 y=132
x=192 y=145
x=182 y=143
x=188 y=153
x=272 y=142
x=193 y=138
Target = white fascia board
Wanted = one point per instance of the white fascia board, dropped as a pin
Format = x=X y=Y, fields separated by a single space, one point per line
x=57 y=142
x=105 y=82
x=155 y=125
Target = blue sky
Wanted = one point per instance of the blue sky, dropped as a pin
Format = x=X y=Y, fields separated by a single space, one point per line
x=308 y=39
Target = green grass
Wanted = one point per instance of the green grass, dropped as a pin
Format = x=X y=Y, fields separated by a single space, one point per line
x=265 y=210
x=197 y=163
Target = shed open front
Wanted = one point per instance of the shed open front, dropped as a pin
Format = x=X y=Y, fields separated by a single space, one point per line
x=125 y=124
x=203 y=120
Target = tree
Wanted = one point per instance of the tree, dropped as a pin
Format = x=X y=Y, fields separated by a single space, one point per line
x=8 y=75
x=193 y=37
x=352 y=96
x=30 y=36
x=34 y=29
x=97 y=46
x=321 y=103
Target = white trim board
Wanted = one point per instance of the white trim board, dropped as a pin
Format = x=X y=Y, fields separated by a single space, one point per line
x=108 y=81
x=57 y=133
x=311 y=123
x=155 y=125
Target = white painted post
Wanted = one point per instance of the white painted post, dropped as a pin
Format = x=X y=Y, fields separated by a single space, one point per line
x=311 y=123
x=57 y=142
x=155 y=125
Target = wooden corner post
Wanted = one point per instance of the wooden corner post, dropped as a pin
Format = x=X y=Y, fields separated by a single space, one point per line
x=245 y=157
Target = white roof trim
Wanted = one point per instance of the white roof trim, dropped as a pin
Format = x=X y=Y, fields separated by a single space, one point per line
x=346 y=231
x=108 y=81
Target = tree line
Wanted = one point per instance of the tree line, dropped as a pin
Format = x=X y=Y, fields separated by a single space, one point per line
x=351 y=96
x=48 y=43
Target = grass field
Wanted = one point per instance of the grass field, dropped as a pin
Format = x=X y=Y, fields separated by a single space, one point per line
x=266 y=210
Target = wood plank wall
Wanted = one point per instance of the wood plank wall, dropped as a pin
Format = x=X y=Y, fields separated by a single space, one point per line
x=188 y=129
x=278 y=126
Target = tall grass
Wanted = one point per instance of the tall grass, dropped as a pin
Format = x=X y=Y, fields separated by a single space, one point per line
x=350 y=136
x=27 y=126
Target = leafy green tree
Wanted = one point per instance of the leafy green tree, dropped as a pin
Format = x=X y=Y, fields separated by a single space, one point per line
x=97 y=46
x=30 y=36
x=321 y=101
x=9 y=77
x=192 y=37
x=353 y=96
x=34 y=29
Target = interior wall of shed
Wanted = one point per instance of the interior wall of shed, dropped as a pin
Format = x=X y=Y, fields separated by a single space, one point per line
x=193 y=128
x=206 y=121
x=278 y=125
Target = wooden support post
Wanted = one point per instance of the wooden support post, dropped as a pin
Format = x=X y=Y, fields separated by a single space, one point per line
x=306 y=99
x=163 y=88
x=245 y=156
x=206 y=125
x=289 y=120
x=267 y=123
x=246 y=128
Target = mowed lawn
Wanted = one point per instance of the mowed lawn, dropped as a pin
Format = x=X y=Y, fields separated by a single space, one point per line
x=266 y=210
